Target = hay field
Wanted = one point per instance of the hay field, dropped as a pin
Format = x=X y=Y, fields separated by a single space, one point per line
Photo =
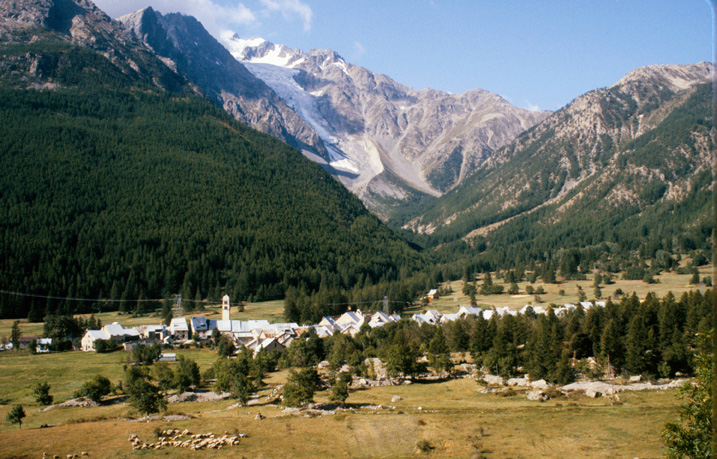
x=452 y=417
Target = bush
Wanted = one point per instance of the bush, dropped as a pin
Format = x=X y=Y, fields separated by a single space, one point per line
x=96 y=388
x=145 y=355
x=424 y=446
x=103 y=346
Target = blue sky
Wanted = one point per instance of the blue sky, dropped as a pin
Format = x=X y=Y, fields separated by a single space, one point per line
x=535 y=53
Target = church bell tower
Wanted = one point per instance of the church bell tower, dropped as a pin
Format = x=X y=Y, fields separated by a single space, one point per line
x=226 y=308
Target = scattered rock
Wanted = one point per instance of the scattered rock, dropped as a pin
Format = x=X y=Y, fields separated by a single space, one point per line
x=537 y=395
x=635 y=379
x=82 y=401
x=518 y=382
x=539 y=384
x=198 y=397
x=592 y=394
x=259 y=416
x=492 y=379
x=396 y=398
x=609 y=389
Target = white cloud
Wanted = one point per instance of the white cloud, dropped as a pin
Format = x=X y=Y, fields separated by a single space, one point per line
x=290 y=8
x=531 y=107
x=358 y=52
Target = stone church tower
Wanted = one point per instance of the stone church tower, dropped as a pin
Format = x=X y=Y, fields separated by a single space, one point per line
x=226 y=308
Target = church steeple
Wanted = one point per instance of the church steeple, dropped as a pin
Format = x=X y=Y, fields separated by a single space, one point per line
x=226 y=308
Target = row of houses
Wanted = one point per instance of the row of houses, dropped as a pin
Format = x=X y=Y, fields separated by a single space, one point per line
x=254 y=334
x=260 y=334
x=433 y=317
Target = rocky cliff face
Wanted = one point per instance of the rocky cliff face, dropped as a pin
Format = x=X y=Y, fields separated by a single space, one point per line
x=385 y=141
x=185 y=46
x=76 y=22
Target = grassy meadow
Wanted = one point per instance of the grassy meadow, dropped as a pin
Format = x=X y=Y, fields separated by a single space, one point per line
x=666 y=282
x=451 y=417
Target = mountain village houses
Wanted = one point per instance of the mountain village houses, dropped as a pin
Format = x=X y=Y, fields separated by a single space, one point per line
x=260 y=334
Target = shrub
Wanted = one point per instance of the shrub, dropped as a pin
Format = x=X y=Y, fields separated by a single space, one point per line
x=41 y=391
x=424 y=446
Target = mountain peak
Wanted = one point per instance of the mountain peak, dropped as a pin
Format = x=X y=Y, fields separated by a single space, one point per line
x=675 y=77
x=69 y=17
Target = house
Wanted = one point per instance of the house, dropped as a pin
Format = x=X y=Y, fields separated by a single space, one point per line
x=153 y=333
x=179 y=329
x=432 y=295
x=586 y=305
x=121 y=334
x=269 y=344
x=328 y=322
x=90 y=337
x=356 y=318
x=26 y=340
x=445 y=318
x=202 y=327
x=505 y=310
x=322 y=331
x=465 y=311
x=168 y=357
x=43 y=345
x=379 y=319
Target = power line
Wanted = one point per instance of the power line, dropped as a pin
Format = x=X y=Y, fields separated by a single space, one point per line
x=50 y=297
x=108 y=300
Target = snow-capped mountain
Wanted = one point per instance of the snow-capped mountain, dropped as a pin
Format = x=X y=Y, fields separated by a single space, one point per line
x=187 y=48
x=384 y=141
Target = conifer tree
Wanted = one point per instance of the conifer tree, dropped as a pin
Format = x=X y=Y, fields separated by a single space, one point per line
x=438 y=353
x=636 y=346
x=692 y=433
x=611 y=348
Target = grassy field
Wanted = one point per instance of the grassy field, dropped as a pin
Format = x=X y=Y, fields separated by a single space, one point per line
x=273 y=311
x=667 y=282
x=451 y=416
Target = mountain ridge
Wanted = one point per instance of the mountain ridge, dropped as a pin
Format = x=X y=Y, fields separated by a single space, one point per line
x=638 y=147
x=185 y=46
x=429 y=140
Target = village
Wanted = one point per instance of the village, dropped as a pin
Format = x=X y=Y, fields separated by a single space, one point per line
x=256 y=335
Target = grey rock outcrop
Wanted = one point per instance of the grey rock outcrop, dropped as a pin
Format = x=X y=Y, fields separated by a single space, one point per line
x=81 y=23
x=185 y=46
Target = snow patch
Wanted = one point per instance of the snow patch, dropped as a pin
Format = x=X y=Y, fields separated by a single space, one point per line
x=236 y=45
x=342 y=66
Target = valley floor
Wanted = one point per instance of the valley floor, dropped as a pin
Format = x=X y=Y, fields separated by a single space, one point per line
x=446 y=418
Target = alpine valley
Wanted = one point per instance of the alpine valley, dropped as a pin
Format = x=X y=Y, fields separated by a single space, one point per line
x=133 y=167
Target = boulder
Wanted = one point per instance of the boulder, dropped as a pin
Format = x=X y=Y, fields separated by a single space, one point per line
x=537 y=395
x=492 y=379
x=396 y=398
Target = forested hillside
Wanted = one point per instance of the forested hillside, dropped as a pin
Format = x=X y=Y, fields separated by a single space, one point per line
x=617 y=176
x=112 y=187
